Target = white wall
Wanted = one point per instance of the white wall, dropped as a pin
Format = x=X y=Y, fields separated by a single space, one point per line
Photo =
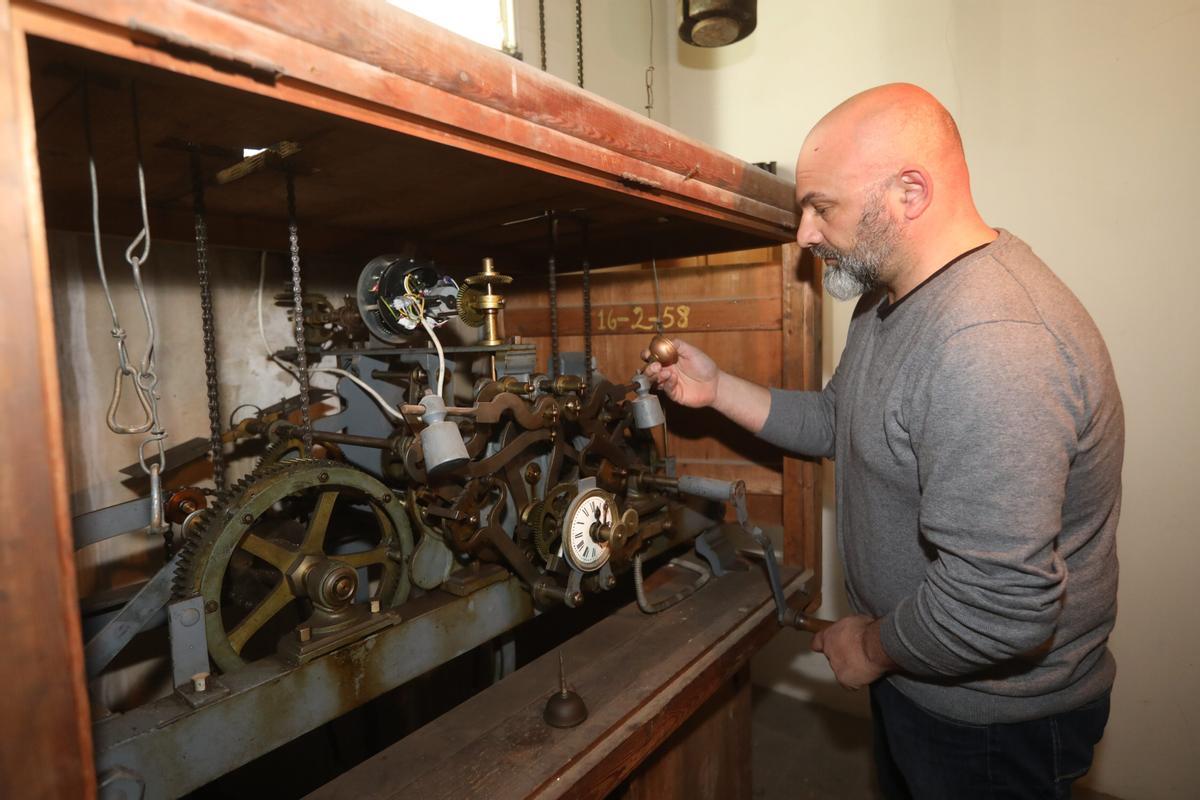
x=1082 y=127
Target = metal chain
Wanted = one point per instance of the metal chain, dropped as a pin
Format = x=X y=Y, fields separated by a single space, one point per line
x=542 y=30
x=298 y=314
x=579 y=42
x=208 y=326
x=587 y=306
x=650 y=68
x=551 y=268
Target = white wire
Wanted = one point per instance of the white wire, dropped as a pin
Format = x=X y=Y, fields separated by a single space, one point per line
x=441 y=355
x=357 y=381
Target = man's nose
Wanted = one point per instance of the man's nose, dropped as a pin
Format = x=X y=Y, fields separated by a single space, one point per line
x=807 y=234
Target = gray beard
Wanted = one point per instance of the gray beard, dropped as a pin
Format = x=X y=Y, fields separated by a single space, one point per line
x=856 y=271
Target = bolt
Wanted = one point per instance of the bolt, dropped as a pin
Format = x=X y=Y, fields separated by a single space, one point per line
x=343 y=588
x=323 y=477
x=395 y=555
x=200 y=682
x=473 y=519
x=576 y=598
x=387 y=498
x=304 y=633
x=375 y=606
x=610 y=581
x=247 y=519
x=211 y=607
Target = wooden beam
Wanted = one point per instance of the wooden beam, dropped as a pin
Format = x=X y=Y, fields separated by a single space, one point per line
x=801 y=370
x=406 y=75
x=45 y=742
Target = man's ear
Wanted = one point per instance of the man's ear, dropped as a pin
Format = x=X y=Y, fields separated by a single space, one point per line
x=916 y=186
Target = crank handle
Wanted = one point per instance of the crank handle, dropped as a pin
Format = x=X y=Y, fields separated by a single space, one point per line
x=793 y=618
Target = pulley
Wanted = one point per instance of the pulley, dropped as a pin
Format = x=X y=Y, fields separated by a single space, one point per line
x=716 y=23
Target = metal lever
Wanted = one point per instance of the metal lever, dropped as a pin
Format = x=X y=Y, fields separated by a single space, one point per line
x=735 y=492
x=788 y=617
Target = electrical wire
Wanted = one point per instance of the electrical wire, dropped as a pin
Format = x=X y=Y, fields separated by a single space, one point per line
x=283 y=365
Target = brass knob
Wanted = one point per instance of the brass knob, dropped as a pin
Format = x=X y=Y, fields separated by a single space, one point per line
x=663 y=350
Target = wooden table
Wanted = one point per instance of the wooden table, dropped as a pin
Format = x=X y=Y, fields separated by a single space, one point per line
x=668 y=699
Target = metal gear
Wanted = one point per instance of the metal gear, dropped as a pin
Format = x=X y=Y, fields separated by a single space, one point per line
x=467 y=304
x=544 y=517
x=267 y=534
x=292 y=449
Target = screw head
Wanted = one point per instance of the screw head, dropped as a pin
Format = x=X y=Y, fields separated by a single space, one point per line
x=387 y=498
x=211 y=607
x=247 y=519
x=576 y=598
x=323 y=477
x=611 y=581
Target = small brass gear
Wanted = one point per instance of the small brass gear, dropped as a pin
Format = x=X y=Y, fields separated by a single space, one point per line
x=292 y=449
x=545 y=515
x=467 y=304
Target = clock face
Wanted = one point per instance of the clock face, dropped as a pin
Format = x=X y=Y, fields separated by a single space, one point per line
x=589 y=514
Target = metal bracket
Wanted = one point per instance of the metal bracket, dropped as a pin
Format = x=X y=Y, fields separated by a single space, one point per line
x=189 y=647
x=102 y=648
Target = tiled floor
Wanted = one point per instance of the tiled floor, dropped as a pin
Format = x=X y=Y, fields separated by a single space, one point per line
x=808 y=752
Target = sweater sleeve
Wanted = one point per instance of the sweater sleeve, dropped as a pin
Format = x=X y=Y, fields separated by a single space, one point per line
x=993 y=443
x=802 y=422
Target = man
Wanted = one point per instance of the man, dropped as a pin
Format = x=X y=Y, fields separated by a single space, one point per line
x=978 y=434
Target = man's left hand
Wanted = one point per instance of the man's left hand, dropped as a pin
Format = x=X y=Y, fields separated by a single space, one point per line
x=845 y=644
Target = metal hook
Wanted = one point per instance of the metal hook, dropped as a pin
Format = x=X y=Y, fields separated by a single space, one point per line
x=111 y=418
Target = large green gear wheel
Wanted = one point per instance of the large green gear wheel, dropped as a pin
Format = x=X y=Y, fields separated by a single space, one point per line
x=264 y=525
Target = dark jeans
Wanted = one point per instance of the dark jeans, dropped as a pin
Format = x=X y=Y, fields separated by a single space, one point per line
x=924 y=756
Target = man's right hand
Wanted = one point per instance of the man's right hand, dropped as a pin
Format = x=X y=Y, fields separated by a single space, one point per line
x=690 y=381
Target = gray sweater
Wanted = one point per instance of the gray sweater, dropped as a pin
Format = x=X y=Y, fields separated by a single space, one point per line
x=978 y=435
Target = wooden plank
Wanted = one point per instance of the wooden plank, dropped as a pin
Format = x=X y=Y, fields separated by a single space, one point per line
x=801 y=370
x=639 y=690
x=400 y=43
x=444 y=101
x=638 y=318
x=708 y=758
x=45 y=743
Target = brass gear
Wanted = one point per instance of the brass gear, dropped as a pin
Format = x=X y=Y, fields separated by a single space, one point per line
x=292 y=449
x=467 y=303
x=244 y=558
x=545 y=515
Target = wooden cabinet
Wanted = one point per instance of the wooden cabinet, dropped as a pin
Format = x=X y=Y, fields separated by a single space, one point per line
x=406 y=133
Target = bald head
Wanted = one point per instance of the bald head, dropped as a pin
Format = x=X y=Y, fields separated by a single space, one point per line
x=882 y=182
x=882 y=130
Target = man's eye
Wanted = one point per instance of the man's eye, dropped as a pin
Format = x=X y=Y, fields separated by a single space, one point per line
x=821 y=210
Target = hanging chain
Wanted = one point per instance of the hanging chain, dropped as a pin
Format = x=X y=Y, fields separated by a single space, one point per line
x=208 y=326
x=650 y=69
x=542 y=30
x=551 y=268
x=587 y=306
x=658 y=323
x=579 y=42
x=298 y=315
